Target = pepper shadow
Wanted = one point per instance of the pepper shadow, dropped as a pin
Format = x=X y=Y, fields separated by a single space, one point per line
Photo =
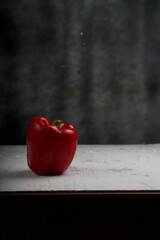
x=24 y=173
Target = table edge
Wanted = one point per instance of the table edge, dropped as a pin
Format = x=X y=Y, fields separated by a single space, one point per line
x=72 y=193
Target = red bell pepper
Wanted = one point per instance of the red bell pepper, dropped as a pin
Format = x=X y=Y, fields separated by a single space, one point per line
x=51 y=146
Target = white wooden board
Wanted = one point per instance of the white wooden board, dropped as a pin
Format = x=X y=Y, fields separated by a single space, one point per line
x=94 y=168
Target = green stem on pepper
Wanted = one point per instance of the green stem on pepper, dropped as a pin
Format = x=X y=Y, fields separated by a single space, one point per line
x=57 y=123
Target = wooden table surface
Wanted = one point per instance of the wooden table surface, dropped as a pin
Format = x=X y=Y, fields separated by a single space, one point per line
x=95 y=168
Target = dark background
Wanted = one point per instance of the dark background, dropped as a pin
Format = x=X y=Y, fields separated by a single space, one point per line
x=93 y=63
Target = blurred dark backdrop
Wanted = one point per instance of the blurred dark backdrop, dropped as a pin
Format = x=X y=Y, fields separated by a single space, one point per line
x=93 y=63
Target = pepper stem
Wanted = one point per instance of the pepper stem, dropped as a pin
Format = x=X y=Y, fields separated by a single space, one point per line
x=57 y=123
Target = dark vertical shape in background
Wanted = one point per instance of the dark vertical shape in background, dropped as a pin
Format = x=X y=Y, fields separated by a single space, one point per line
x=9 y=38
x=61 y=70
x=152 y=60
x=135 y=85
x=87 y=122
x=118 y=68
